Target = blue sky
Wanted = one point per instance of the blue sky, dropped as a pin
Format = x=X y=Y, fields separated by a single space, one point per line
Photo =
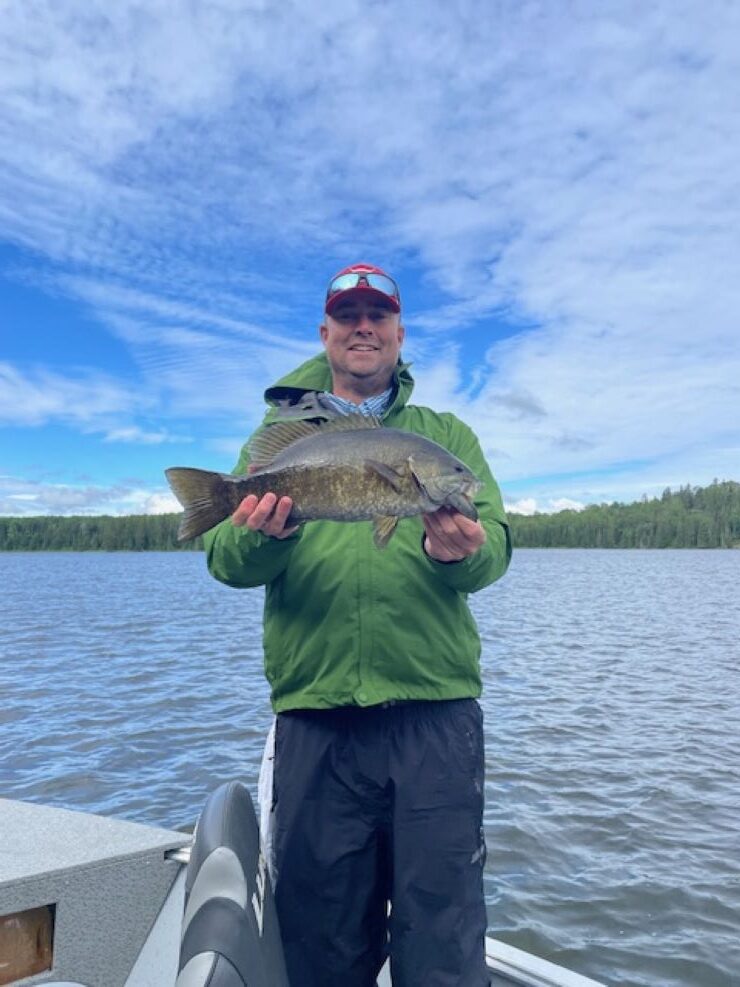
x=554 y=186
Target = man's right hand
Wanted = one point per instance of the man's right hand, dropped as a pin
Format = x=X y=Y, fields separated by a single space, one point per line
x=267 y=515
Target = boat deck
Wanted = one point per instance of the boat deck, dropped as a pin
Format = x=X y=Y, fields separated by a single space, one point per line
x=122 y=884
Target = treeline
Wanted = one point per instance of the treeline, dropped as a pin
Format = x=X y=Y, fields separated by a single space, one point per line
x=131 y=533
x=692 y=517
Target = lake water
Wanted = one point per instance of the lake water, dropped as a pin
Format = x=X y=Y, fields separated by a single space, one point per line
x=132 y=686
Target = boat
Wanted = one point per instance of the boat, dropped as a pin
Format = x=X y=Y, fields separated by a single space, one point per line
x=92 y=901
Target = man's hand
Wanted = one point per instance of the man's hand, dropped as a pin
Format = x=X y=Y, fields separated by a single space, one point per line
x=267 y=515
x=450 y=536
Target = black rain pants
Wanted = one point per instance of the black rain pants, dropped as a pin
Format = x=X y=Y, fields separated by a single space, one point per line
x=376 y=805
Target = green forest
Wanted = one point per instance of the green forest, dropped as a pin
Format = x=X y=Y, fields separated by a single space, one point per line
x=100 y=533
x=691 y=517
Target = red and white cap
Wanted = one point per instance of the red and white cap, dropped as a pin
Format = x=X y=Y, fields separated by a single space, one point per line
x=366 y=281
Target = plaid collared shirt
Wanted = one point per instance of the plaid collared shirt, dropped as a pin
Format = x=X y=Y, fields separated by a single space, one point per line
x=376 y=404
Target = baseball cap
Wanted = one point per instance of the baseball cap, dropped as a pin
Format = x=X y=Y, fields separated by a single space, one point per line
x=367 y=279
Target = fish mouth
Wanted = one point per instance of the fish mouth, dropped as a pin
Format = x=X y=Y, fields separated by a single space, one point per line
x=466 y=501
x=464 y=498
x=461 y=500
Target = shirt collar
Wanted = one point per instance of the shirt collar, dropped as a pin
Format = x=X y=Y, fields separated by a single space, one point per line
x=376 y=404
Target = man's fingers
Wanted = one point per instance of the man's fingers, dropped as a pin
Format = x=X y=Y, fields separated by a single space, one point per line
x=254 y=512
x=282 y=511
x=244 y=510
x=262 y=512
x=444 y=526
x=437 y=532
x=275 y=525
x=452 y=536
x=439 y=545
x=268 y=514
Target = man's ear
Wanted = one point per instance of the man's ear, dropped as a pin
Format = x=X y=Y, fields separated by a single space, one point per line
x=401 y=334
x=323 y=332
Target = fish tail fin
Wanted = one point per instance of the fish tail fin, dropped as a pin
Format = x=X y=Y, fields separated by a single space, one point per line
x=204 y=497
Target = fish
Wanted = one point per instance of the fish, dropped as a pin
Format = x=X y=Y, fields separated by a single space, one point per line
x=348 y=468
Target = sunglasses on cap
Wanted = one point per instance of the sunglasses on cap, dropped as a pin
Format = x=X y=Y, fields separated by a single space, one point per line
x=364 y=279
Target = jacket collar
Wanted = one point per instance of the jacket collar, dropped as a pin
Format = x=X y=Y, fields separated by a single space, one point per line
x=315 y=375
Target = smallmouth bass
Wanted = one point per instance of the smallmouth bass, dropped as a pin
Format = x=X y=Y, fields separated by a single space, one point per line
x=350 y=468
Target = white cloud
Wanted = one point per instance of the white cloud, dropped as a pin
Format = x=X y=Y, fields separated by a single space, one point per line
x=529 y=506
x=88 y=400
x=194 y=360
x=39 y=396
x=566 y=504
x=570 y=168
x=160 y=504
x=19 y=497
x=133 y=433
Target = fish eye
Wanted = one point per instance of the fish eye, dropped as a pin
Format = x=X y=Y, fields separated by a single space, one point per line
x=459 y=469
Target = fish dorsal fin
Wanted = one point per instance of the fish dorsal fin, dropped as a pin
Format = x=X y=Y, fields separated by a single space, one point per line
x=347 y=423
x=273 y=439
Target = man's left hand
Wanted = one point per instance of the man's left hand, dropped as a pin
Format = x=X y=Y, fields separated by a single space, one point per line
x=450 y=536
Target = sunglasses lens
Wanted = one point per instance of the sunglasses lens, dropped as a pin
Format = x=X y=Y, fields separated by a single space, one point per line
x=342 y=283
x=378 y=281
x=382 y=283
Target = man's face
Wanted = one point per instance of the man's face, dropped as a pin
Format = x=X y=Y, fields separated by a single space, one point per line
x=362 y=338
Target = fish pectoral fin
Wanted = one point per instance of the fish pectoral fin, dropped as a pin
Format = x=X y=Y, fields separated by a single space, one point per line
x=387 y=472
x=384 y=529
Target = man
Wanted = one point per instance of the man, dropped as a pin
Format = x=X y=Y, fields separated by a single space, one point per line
x=373 y=660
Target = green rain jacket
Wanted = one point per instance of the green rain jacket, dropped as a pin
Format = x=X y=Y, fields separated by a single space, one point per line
x=346 y=623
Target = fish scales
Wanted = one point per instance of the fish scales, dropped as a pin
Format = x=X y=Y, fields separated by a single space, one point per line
x=348 y=469
x=328 y=476
x=343 y=493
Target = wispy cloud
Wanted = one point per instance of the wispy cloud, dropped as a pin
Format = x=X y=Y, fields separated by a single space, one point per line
x=135 y=434
x=39 y=396
x=557 y=182
x=22 y=498
x=88 y=400
x=193 y=355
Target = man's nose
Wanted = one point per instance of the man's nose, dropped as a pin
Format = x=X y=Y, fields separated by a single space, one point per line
x=364 y=323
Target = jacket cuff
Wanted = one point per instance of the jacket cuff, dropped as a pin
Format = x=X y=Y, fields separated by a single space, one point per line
x=475 y=571
x=241 y=557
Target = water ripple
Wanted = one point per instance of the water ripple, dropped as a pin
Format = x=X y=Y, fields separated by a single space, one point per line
x=133 y=686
